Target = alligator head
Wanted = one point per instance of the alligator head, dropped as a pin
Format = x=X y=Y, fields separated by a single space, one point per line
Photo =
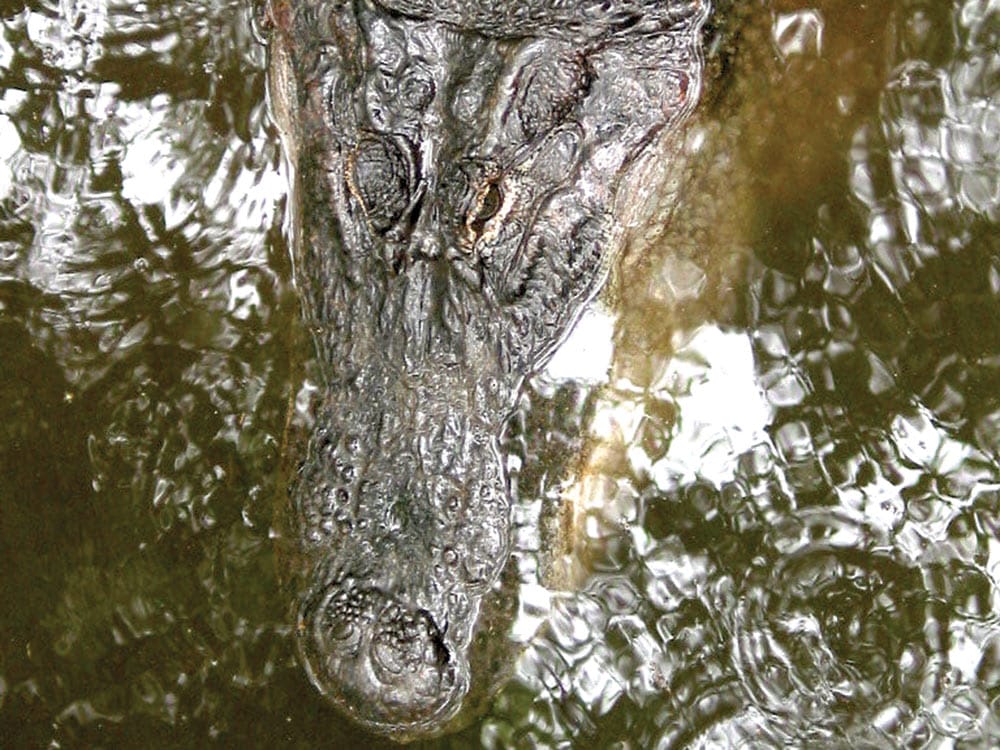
x=461 y=174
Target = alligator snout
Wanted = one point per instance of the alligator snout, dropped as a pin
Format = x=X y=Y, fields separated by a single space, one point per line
x=403 y=527
x=389 y=664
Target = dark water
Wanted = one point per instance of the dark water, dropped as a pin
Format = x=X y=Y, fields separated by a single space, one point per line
x=782 y=505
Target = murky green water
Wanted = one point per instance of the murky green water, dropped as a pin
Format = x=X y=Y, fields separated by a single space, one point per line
x=785 y=498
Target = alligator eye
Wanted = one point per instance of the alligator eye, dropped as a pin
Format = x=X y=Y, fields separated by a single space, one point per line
x=487 y=206
x=379 y=176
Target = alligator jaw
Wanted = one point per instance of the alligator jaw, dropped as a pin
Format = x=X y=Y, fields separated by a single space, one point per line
x=460 y=182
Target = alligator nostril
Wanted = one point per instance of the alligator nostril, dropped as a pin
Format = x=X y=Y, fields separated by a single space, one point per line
x=408 y=642
x=388 y=657
x=340 y=620
x=441 y=654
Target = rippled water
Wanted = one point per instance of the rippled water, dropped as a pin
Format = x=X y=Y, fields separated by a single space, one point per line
x=779 y=506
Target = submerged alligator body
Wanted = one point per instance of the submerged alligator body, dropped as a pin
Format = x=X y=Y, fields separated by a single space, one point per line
x=462 y=173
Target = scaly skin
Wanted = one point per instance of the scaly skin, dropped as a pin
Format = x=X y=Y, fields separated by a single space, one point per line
x=462 y=174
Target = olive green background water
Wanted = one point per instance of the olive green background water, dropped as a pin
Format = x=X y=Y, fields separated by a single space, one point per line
x=784 y=501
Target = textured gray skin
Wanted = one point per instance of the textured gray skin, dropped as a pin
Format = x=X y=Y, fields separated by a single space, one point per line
x=462 y=171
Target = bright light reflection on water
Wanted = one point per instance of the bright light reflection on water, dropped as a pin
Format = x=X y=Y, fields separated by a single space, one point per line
x=758 y=486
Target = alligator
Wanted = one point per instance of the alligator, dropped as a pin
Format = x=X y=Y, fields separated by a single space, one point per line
x=462 y=174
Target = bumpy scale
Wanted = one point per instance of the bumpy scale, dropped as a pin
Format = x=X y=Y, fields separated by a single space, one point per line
x=461 y=174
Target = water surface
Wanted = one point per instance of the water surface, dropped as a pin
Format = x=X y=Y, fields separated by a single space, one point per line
x=780 y=500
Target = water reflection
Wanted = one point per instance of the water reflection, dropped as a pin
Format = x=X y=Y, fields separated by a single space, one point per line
x=794 y=555
x=773 y=522
x=141 y=258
